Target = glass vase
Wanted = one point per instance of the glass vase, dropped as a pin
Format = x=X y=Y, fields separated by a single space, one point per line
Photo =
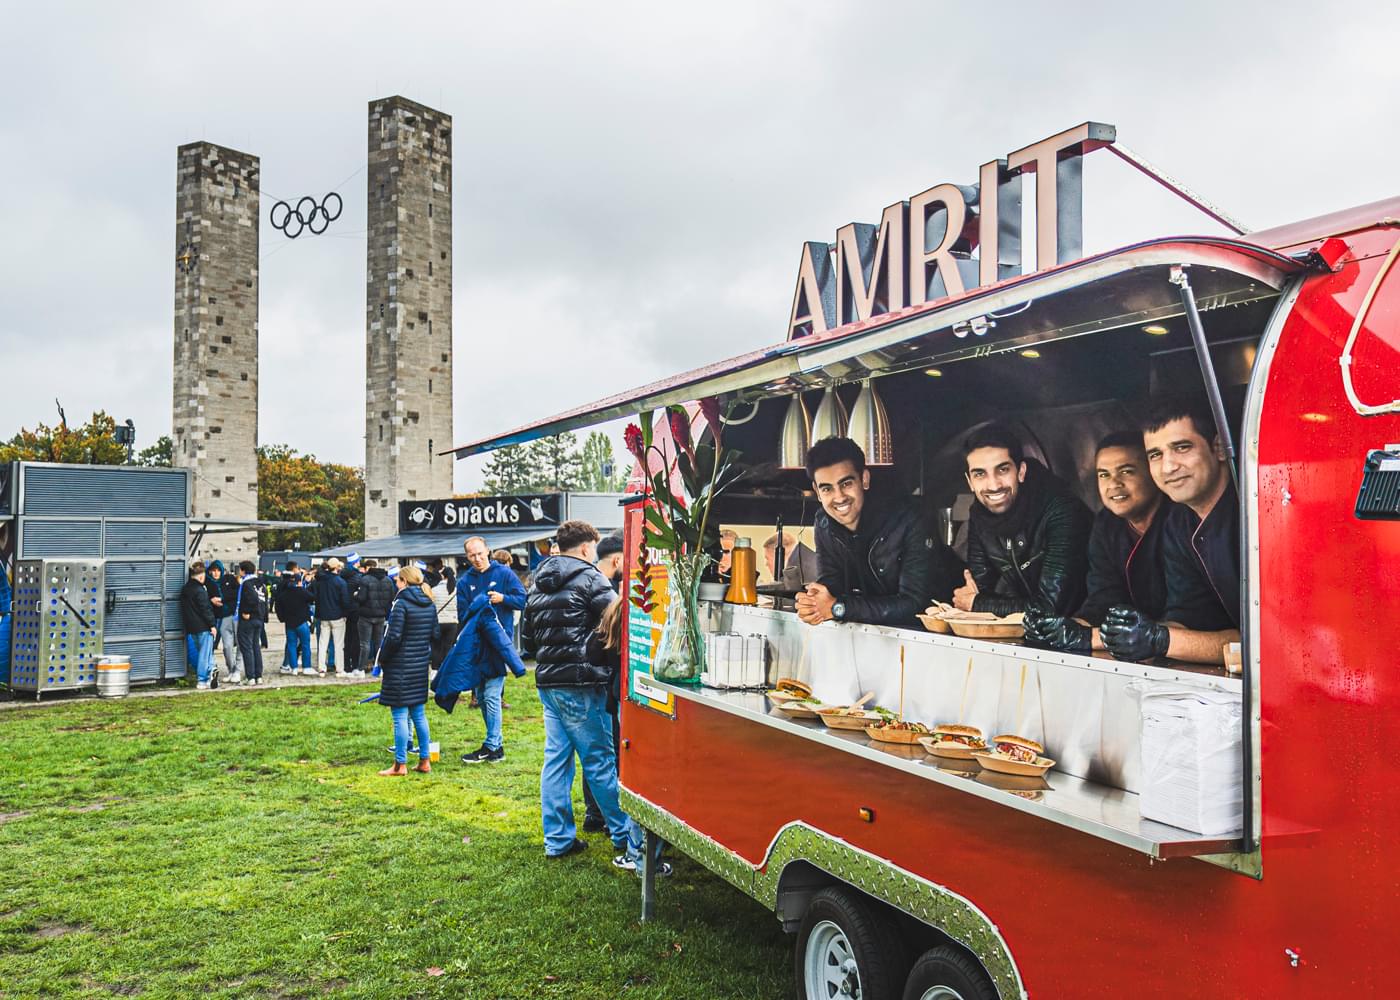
x=680 y=656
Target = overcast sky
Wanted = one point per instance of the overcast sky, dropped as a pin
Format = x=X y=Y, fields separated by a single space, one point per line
x=633 y=182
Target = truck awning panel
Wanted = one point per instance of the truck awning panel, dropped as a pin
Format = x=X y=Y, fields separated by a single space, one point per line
x=1117 y=289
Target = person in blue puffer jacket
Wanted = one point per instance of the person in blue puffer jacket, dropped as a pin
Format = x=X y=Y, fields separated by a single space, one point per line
x=404 y=655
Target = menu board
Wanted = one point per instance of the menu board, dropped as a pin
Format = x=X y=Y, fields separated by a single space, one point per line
x=644 y=628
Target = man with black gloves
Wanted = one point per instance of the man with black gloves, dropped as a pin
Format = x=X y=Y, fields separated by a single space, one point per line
x=197 y=613
x=877 y=559
x=1200 y=547
x=1125 y=550
x=1028 y=536
x=567 y=600
x=374 y=596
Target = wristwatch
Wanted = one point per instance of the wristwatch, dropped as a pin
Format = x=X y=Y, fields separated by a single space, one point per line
x=838 y=610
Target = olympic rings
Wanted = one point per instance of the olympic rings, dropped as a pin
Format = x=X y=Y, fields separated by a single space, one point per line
x=306 y=216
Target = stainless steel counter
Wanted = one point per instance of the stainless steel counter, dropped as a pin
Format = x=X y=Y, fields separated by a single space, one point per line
x=1083 y=709
x=1108 y=813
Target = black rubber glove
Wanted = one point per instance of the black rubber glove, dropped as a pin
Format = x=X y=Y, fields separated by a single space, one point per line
x=1057 y=632
x=1130 y=635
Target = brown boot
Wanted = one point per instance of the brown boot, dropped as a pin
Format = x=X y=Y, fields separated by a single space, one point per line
x=424 y=767
x=397 y=771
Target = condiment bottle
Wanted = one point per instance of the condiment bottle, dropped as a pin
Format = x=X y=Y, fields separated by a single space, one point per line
x=743 y=574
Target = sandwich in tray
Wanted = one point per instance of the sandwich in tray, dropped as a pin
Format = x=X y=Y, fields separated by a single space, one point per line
x=790 y=689
x=1012 y=754
x=892 y=731
x=955 y=741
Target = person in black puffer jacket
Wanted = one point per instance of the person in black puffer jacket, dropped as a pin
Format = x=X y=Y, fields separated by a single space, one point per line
x=403 y=657
x=1028 y=538
x=374 y=595
x=563 y=609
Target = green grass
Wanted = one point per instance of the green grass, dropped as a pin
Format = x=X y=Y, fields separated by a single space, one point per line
x=240 y=845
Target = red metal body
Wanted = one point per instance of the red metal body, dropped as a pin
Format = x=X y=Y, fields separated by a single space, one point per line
x=1085 y=918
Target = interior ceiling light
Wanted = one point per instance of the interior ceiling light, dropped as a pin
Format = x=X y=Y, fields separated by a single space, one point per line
x=830 y=418
x=1156 y=329
x=935 y=372
x=797 y=435
x=870 y=426
x=1030 y=352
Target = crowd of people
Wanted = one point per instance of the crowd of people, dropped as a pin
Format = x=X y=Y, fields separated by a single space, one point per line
x=1154 y=574
x=428 y=631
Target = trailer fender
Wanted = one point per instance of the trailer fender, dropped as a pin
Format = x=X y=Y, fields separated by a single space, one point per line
x=790 y=871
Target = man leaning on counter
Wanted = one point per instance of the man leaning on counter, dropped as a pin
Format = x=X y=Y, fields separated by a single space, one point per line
x=878 y=561
x=1125 y=550
x=1200 y=545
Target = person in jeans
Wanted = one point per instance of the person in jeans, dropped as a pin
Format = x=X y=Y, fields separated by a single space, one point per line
x=249 y=611
x=566 y=602
x=488 y=582
x=197 y=613
x=292 y=602
x=332 y=602
x=374 y=595
x=403 y=656
x=227 y=582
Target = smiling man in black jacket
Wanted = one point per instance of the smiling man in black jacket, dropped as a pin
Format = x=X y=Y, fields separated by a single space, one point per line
x=877 y=559
x=1028 y=536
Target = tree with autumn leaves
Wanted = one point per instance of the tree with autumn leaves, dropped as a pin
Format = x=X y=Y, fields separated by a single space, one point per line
x=293 y=487
x=90 y=444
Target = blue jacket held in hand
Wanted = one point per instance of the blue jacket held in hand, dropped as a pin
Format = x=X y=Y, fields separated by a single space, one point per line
x=481 y=645
x=409 y=632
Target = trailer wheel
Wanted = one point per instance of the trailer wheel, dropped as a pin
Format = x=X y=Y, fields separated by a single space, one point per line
x=846 y=948
x=948 y=974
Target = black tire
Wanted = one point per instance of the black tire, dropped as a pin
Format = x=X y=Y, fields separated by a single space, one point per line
x=871 y=937
x=952 y=969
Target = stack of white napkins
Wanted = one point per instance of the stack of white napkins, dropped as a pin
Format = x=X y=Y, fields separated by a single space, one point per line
x=1192 y=759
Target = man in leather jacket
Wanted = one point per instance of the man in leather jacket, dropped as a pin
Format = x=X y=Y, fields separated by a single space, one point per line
x=877 y=558
x=1028 y=536
x=1125 y=550
x=567 y=599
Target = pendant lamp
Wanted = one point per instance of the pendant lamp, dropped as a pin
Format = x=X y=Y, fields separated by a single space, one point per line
x=870 y=426
x=830 y=418
x=797 y=435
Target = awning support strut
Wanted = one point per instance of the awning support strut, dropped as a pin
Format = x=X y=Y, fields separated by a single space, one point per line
x=1198 y=338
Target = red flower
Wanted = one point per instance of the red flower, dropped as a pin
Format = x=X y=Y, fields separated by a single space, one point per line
x=709 y=406
x=632 y=437
x=680 y=429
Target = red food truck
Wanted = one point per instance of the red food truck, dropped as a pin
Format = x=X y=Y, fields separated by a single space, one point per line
x=909 y=875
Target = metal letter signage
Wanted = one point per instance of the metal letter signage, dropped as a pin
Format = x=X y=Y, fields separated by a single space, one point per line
x=478 y=512
x=922 y=249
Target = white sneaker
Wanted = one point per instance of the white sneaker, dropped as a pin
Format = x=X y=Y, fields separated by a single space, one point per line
x=202 y=686
x=235 y=678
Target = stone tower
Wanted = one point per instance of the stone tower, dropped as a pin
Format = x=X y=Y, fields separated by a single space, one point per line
x=408 y=310
x=215 y=427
